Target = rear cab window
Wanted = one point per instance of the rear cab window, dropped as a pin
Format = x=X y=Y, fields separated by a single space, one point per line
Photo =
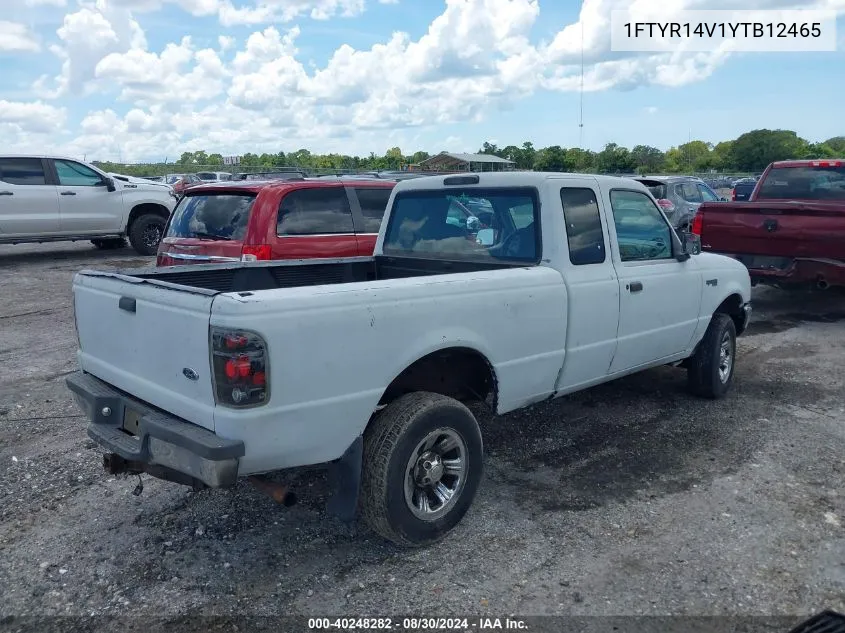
x=441 y=224
x=218 y=216
x=22 y=171
x=583 y=226
x=804 y=183
x=315 y=211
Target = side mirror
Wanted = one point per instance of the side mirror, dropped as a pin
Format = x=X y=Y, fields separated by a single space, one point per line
x=691 y=243
x=485 y=237
x=110 y=186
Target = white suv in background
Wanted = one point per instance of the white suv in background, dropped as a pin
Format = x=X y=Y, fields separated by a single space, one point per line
x=54 y=199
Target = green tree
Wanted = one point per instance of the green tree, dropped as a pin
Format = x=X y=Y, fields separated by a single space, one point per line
x=754 y=150
x=615 y=159
x=215 y=159
x=648 y=159
x=550 y=159
x=837 y=144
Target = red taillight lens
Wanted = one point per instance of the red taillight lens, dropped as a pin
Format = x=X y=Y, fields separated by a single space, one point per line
x=239 y=366
x=258 y=252
x=665 y=204
x=698 y=223
x=733 y=195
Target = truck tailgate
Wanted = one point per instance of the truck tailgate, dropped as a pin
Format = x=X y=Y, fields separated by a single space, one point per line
x=776 y=229
x=149 y=340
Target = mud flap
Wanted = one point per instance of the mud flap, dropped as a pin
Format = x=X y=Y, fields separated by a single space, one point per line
x=345 y=481
x=824 y=622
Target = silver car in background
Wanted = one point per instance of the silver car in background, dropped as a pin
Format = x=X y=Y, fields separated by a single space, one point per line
x=680 y=196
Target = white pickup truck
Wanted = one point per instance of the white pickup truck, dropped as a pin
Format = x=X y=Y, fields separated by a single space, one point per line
x=204 y=374
x=56 y=199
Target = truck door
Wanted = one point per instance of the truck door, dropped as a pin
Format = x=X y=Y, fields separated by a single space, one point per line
x=29 y=205
x=85 y=203
x=592 y=287
x=659 y=297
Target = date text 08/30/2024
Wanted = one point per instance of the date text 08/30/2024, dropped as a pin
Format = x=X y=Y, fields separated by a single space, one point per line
x=417 y=624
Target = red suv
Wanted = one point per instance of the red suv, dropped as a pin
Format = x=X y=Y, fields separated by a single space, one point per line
x=287 y=219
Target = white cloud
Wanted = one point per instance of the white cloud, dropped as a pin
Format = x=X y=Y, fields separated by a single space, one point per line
x=36 y=117
x=16 y=37
x=477 y=55
x=47 y=3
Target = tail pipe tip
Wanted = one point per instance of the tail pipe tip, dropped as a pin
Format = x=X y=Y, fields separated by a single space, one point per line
x=276 y=491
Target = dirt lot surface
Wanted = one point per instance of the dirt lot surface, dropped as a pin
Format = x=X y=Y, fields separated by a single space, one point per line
x=630 y=498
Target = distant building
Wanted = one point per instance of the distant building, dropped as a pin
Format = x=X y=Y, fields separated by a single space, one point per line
x=448 y=161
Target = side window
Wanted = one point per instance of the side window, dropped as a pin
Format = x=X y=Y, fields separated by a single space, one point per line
x=583 y=226
x=688 y=191
x=373 y=203
x=73 y=174
x=707 y=194
x=641 y=231
x=22 y=171
x=315 y=211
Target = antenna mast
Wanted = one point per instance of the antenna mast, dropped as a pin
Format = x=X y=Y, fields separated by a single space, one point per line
x=581 y=95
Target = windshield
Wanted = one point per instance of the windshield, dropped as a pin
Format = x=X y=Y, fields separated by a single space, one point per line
x=445 y=224
x=804 y=183
x=218 y=216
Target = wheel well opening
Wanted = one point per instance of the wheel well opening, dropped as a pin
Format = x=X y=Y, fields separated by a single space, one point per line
x=457 y=372
x=732 y=306
x=145 y=209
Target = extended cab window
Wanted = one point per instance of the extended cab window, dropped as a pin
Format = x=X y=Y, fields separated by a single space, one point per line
x=314 y=212
x=641 y=230
x=445 y=224
x=803 y=183
x=72 y=174
x=373 y=203
x=583 y=226
x=22 y=171
x=213 y=217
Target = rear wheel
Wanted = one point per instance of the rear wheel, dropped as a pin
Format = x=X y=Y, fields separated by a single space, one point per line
x=109 y=243
x=421 y=470
x=711 y=369
x=146 y=232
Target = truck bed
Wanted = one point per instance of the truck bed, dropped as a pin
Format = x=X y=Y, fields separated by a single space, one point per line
x=246 y=277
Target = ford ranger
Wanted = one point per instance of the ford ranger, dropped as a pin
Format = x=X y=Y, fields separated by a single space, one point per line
x=203 y=374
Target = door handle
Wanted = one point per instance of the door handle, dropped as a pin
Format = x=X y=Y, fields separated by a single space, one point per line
x=68 y=193
x=127 y=303
x=6 y=193
x=635 y=286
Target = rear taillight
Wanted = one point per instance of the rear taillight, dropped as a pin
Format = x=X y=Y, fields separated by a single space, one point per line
x=665 y=204
x=733 y=195
x=259 y=252
x=698 y=223
x=240 y=368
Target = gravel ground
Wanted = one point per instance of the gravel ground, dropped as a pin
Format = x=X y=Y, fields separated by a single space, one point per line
x=630 y=498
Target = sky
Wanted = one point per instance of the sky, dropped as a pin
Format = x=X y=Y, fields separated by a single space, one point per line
x=145 y=80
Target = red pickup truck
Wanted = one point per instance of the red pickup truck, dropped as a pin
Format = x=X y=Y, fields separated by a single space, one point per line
x=792 y=229
x=279 y=219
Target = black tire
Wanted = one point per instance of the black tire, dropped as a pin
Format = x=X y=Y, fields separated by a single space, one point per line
x=146 y=232
x=109 y=243
x=706 y=371
x=389 y=443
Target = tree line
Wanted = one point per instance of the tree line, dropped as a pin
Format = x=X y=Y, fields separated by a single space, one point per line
x=748 y=153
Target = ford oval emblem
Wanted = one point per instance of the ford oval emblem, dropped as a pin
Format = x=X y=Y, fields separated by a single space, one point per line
x=190 y=374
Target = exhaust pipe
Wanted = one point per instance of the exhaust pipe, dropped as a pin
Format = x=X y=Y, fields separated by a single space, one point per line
x=821 y=284
x=276 y=491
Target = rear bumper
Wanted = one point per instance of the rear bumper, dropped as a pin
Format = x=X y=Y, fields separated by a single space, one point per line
x=160 y=441
x=819 y=271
